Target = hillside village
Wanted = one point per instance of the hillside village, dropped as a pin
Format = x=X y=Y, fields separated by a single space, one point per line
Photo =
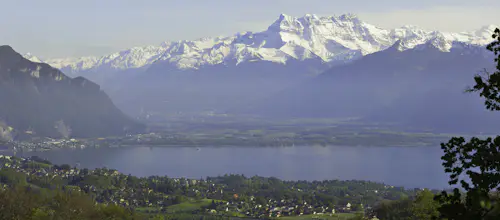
x=228 y=195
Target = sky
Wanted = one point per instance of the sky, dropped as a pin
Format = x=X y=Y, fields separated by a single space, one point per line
x=62 y=28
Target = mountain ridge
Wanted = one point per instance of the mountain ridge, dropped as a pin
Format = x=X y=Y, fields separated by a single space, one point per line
x=334 y=39
x=41 y=99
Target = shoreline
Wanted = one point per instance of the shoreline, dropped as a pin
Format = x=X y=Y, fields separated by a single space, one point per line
x=217 y=146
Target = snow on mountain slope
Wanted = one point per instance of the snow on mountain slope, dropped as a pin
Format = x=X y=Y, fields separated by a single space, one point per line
x=73 y=64
x=32 y=58
x=332 y=39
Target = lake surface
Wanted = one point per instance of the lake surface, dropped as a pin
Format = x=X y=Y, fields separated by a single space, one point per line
x=404 y=166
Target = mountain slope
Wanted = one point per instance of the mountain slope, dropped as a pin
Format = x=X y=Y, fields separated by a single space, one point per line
x=215 y=88
x=39 y=98
x=421 y=86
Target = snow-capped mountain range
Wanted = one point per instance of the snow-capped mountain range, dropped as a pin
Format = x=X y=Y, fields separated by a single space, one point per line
x=332 y=39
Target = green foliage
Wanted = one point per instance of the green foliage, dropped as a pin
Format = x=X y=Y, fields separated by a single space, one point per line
x=19 y=203
x=27 y=203
x=423 y=207
x=338 y=216
x=358 y=216
x=11 y=177
x=179 y=199
x=488 y=86
x=101 y=182
x=114 y=212
x=185 y=216
x=478 y=159
x=189 y=206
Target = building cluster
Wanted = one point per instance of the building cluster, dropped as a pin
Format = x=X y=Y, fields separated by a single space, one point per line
x=160 y=192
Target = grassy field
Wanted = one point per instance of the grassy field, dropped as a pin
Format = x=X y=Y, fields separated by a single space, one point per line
x=185 y=207
x=189 y=206
x=338 y=216
x=147 y=209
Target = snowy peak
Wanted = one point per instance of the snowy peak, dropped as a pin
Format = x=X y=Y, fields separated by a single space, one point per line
x=414 y=37
x=286 y=23
x=326 y=37
x=32 y=58
x=331 y=39
x=349 y=17
x=135 y=57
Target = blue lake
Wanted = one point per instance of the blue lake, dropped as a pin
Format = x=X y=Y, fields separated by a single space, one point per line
x=411 y=167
